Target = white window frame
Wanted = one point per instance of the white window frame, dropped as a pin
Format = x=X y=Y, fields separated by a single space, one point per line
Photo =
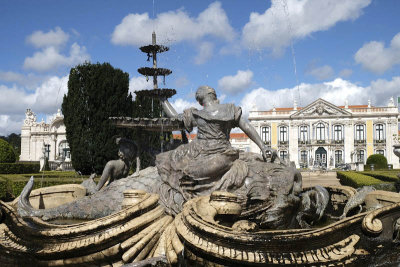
x=283 y=133
x=265 y=134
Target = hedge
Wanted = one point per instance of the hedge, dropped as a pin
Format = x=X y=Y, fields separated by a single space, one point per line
x=8 y=168
x=388 y=176
x=356 y=180
x=11 y=185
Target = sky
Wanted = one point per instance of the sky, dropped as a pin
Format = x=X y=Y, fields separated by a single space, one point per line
x=257 y=54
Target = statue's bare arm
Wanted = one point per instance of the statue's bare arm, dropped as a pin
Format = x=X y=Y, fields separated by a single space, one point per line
x=107 y=173
x=169 y=109
x=253 y=135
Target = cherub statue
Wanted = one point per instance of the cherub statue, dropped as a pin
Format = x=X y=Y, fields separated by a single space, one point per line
x=117 y=169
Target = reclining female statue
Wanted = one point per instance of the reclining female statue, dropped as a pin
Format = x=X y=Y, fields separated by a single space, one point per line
x=197 y=167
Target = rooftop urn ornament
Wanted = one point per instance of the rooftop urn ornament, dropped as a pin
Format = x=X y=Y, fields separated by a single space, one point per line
x=369 y=103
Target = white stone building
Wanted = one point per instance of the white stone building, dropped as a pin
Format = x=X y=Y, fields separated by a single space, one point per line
x=325 y=134
x=38 y=138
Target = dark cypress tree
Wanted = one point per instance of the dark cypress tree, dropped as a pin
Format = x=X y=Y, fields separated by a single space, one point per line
x=95 y=93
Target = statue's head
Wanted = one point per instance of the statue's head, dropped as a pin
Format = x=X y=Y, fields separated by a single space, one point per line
x=205 y=92
x=127 y=149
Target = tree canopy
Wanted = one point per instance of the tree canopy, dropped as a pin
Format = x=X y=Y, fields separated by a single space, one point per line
x=95 y=93
x=7 y=154
x=15 y=141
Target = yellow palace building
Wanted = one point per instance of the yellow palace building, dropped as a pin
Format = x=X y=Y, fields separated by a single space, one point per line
x=327 y=135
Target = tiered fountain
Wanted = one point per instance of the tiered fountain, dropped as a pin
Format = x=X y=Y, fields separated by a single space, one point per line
x=160 y=124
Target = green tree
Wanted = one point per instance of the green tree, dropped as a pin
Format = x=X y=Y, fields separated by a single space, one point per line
x=7 y=154
x=95 y=93
x=15 y=141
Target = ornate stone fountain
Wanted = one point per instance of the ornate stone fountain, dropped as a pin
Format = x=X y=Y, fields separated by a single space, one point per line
x=255 y=213
x=154 y=124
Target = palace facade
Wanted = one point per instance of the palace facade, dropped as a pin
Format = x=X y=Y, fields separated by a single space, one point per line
x=40 y=138
x=325 y=134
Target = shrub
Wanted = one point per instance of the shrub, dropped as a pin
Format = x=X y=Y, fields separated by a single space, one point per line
x=388 y=176
x=378 y=160
x=7 y=154
x=9 y=168
x=355 y=179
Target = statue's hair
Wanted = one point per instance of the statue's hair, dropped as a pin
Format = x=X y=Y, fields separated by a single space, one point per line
x=131 y=145
x=205 y=90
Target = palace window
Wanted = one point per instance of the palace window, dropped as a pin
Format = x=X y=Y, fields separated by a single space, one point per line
x=338 y=156
x=64 y=151
x=338 y=132
x=379 y=135
x=380 y=151
x=360 y=156
x=303 y=133
x=283 y=154
x=283 y=134
x=303 y=157
x=360 y=133
x=320 y=134
x=265 y=134
x=47 y=151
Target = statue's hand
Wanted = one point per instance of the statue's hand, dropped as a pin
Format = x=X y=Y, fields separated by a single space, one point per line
x=269 y=153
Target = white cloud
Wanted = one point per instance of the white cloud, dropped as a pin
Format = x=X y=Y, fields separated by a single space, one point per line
x=375 y=57
x=344 y=73
x=173 y=27
x=336 y=92
x=139 y=83
x=180 y=105
x=237 y=83
x=53 y=38
x=321 y=73
x=10 y=124
x=296 y=19
x=50 y=58
x=45 y=99
x=205 y=52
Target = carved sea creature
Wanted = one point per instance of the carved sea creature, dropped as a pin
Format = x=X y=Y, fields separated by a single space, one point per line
x=313 y=204
x=357 y=200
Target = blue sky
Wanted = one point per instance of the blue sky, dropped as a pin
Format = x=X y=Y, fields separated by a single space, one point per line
x=343 y=50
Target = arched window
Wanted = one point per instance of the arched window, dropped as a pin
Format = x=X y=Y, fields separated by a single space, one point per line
x=63 y=150
x=338 y=132
x=360 y=133
x=303 y=133
x=265 y=134
x=283 y=133
x=360 y=156
x=303 y=157
x=320 y=134
x=379 y=133
x=338 y=157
